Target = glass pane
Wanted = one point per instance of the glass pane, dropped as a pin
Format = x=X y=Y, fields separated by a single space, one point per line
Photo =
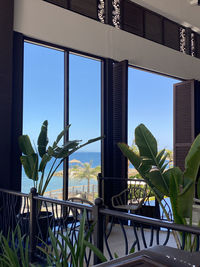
x=43 y=100
x=85 y=120
x=150 y=101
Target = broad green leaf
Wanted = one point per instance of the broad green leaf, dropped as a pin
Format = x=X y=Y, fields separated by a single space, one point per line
x=192 y=160
x=162 y=161
x=63 y=152
x=95 y=139
x=185 y=200
x=163 y=167
x=188 y=183
x=181 y=194
x=146 y=142
x=25 y=145
x=175 y=178
x=147 y=145
x=30 y=164
x=160 y=154
x=143 y=169
x=61 y=134
x=46 y=158
x=131 y=155
x=50 y=151
x=43 y=139
x=157 y=181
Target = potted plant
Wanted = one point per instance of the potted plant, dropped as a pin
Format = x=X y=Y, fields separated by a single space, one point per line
x=35 y=160
x=164 y=180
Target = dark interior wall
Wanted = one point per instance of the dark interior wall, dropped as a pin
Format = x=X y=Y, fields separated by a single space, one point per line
x=6 y=47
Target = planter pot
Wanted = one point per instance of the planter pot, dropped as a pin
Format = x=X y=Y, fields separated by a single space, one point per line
x=43 y=222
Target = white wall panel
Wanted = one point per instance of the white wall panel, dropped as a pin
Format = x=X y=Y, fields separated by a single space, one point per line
x=47 y=22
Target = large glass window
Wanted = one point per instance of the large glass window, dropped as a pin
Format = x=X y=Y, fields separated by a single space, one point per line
x=43 y=100
x=85 y=120
x=150 y=101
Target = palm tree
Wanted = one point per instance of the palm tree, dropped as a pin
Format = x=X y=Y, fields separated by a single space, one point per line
x=169 y=157
x=85 y=171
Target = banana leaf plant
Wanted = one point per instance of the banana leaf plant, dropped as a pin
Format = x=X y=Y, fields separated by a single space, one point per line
x=34 y=161
x=152 y=165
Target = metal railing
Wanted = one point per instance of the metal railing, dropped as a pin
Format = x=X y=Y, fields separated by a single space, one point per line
x=112 y=230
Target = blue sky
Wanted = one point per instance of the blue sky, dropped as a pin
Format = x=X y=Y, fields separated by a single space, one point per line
x=150 y=98
x=44 y=94
x=150 y=101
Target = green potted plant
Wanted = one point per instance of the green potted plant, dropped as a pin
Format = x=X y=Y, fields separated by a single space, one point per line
x=164 y=180
x=35 y=159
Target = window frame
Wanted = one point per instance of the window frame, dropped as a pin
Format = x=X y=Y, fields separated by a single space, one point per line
x=66 y=52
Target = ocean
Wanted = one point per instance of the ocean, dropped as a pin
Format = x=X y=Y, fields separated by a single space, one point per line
x=57 y=182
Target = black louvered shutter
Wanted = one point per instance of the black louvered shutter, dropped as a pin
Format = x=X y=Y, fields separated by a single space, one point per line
x=120 y=107
x=114 y=114
x=186 y=118
x=17 y=112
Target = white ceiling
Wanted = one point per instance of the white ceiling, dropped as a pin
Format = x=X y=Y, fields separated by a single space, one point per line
x=177 y=10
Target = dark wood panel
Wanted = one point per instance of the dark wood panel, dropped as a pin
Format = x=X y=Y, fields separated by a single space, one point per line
x=171 y=34
x=107 y=129
x=106 y=116
x=180 y=154
x=120 y=97
x=6 y=46
x=197 y=45
x=17 y=106
x=61 y=3
x=184 y=122
x=153 y=26
x=132 y=18
x=86 y=7
x=184 y=112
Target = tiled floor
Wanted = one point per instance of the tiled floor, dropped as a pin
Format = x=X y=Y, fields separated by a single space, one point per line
x=116 y=240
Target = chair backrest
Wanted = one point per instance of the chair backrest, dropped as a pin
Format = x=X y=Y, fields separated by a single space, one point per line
x=134 y=195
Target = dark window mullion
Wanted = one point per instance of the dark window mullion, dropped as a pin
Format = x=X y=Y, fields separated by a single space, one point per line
x=66 y=122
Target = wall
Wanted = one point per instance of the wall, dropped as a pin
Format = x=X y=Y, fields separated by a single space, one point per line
x=44 y=21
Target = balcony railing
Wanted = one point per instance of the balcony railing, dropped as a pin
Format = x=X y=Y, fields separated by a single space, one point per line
x=115 y=233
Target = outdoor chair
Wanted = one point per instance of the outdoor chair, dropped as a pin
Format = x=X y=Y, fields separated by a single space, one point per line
x=130 y=199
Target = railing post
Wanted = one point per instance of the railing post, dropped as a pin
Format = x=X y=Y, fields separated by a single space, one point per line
x=99 y=179
x=32 y=224
x=98 y=228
